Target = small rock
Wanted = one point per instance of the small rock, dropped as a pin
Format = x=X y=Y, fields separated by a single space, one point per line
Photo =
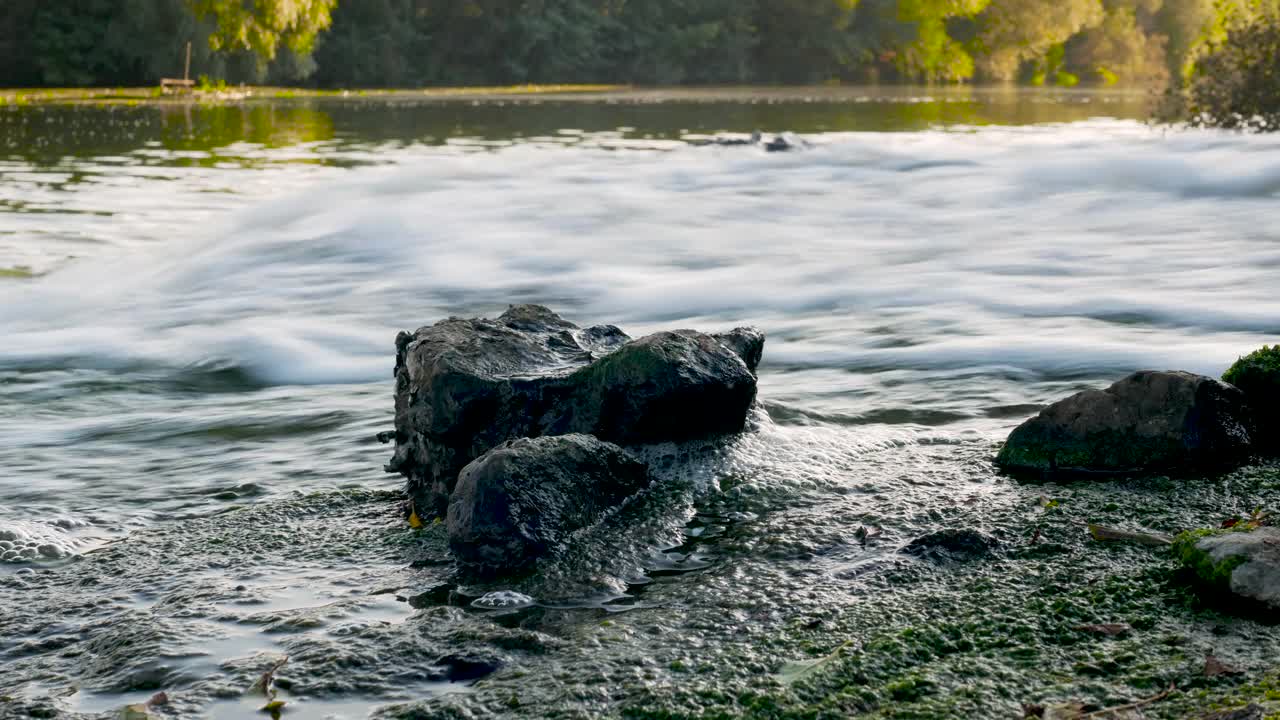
x=952 y=544
x=1244 y=563
x=1150 y=421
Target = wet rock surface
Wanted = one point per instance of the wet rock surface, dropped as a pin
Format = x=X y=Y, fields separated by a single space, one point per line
x=1149 y=421
x=522 y=499
x=952 y=544
x=1245 y=563
x=465 y=385
x=606 y=629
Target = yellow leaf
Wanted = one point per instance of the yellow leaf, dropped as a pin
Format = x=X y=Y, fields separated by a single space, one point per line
x=274 y=707
x=414 y=521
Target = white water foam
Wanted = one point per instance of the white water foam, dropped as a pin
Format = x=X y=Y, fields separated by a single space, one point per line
x=1051 y=249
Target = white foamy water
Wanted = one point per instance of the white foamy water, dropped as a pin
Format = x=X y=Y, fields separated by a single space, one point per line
x=1084 y=248
x=224 y=330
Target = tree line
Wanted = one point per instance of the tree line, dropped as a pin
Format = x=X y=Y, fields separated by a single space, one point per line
x=414 y=43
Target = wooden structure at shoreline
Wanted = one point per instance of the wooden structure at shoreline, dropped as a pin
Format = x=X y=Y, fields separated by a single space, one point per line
x=174 y=85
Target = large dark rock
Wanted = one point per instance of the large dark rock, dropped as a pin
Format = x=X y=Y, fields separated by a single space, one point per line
x=465 y=385
x=1150 y=421
x=521 y=499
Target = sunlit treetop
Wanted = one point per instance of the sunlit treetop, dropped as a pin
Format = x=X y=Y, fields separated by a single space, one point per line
x=262 y=26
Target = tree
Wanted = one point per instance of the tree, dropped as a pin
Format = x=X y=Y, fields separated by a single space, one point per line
x=1236 y=83
x=263 y=26
x=933 y=54
x=802 y=40
x=1118 y=49
x=1012 y=32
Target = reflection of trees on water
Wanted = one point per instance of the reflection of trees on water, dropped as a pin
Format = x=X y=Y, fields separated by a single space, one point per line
x=209 y=134
x=209 y=127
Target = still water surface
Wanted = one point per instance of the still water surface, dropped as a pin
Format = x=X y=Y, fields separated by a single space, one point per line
x=197 y=307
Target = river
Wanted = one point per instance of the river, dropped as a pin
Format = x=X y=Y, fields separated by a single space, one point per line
x=197 y=313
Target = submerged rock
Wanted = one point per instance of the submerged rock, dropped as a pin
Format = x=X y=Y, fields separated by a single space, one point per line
x=523 y=498
x=1244 y=563
x=1258 y=377
x=465 y=385
x=1149 y=421
x=780 y=142
x=952 y=544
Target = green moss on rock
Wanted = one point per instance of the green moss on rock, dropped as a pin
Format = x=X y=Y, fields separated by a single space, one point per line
x=1214 y=574
x=1258 y=376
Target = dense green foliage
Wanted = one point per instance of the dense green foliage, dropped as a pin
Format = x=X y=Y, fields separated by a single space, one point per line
x=1237 y=85
x=1255 y=93
x=407 y=43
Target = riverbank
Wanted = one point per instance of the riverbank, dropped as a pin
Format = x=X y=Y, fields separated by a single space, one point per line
x=153 y=95
x=588 y=93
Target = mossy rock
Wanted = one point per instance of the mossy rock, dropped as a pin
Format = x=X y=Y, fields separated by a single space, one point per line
x=1148 y=422
x=1244 y=563
x=1258 y=375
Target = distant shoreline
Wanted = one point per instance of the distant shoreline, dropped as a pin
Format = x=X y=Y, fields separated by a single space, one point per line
x=152 y=96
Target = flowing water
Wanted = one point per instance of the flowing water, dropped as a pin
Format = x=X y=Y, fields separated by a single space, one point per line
x=197 y=313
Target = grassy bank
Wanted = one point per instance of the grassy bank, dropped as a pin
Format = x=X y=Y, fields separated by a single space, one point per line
x=153 y=95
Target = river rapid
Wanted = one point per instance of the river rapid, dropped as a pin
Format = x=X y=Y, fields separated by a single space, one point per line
x=197 y=314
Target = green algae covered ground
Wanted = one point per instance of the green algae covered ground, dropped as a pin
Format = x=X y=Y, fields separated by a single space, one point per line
x=742 y=588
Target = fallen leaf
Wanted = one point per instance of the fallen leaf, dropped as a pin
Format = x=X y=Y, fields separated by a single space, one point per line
x=1109 y=629
x=1114 y=712
x=1105 y=533
x=1213 y=667
x=414 y=521
x=790 y=672
x=274 y=707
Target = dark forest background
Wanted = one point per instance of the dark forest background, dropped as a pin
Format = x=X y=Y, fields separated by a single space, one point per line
x=415 y=43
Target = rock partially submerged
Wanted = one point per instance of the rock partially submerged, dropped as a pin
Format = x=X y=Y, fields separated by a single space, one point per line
x=523 y=498
x=1149 y=421
x=1244 y=563
x=781 y=142
x=463 y=386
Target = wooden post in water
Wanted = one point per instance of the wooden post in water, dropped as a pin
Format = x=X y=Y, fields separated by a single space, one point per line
x=186 y=70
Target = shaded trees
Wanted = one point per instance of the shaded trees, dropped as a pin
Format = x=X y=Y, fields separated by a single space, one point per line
x=413 y=43
x=1236 y=83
